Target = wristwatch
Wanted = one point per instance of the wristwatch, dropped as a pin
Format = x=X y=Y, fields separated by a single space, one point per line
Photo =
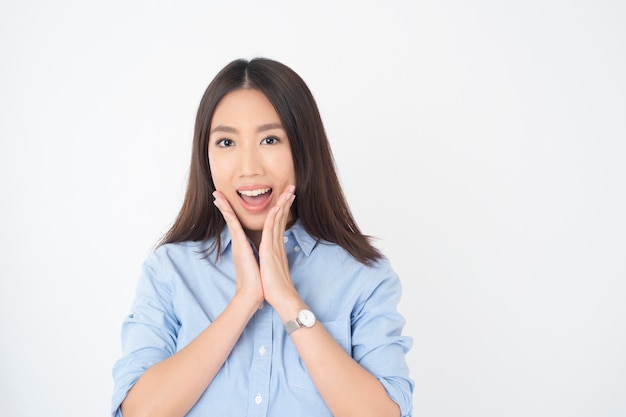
x=305 y=318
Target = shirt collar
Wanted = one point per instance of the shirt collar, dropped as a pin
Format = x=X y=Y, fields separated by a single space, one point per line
x=302 y=237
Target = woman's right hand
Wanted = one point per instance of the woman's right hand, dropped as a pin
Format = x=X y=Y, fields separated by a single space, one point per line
x=246 y=267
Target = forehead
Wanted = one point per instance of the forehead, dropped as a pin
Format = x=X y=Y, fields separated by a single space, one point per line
x=244 y=106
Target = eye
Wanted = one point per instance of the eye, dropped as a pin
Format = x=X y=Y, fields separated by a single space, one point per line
x=225 y=143
x=270 y=140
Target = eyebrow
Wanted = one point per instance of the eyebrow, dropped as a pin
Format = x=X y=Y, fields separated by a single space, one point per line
x=269 y=126
x=262 y=128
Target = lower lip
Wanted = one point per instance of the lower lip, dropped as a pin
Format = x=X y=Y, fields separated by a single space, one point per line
x=257 y=208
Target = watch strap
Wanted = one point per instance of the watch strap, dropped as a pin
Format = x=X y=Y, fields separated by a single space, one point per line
x=292 y=325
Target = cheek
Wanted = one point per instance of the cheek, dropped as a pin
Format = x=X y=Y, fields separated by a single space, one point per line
x=218 y=172
x=285 y=168
x=290 y=172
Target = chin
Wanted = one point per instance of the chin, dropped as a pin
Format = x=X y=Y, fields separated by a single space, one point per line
x=253 y=225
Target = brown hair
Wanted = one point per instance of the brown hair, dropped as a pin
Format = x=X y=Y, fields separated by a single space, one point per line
x=320 y=204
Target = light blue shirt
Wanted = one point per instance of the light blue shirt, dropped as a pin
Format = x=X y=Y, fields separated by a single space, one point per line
x=180 y=292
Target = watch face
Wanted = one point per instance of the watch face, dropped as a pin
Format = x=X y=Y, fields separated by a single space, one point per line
x=306 y=317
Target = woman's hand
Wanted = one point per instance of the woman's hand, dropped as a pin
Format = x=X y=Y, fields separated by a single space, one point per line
x=270 y=279
x=275 y=277
x=246 y=267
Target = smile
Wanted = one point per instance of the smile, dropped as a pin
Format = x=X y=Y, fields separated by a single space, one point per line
x=255 y=200
x=254 y=193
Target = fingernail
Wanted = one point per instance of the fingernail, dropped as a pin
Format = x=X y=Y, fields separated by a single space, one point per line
x=291 y=188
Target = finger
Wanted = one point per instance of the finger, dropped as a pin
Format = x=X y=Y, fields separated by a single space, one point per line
x=232 y=221
x=282 y=216
x=269 y=231
x=276 y=220
x=222 y=205
x=271 y=227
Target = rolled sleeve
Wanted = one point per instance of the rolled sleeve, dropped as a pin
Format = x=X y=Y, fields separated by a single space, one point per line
x=148 y=332
x=377 y=340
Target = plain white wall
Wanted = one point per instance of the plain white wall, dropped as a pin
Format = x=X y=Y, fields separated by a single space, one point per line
x=482 y=142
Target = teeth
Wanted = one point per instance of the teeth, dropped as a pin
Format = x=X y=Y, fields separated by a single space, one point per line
x=254 y=193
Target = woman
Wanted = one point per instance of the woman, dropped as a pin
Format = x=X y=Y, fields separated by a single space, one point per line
x=258 y=302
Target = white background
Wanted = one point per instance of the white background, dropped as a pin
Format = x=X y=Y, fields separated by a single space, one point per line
x=482 y=142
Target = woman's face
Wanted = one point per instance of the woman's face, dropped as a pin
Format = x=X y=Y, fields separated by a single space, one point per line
x=250 y=156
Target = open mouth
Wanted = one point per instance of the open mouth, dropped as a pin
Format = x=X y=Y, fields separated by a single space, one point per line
x=255 y=197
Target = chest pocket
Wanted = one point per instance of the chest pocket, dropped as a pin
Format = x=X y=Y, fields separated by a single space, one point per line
x=297 y=375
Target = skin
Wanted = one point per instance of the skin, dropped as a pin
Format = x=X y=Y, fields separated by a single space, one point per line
x=249 y=150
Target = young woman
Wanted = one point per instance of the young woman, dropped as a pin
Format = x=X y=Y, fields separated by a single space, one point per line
x=264 y=298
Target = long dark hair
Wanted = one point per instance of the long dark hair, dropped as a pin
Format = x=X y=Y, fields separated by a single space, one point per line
x=320 y=204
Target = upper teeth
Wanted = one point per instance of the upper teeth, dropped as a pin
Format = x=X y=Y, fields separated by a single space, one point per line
x=254 y=193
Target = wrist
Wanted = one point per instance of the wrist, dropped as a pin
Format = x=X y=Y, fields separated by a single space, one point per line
x=288 y=307
x=305 y=318
x=248 y=301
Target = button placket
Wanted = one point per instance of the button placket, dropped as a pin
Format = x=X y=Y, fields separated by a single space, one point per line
x=261 y=362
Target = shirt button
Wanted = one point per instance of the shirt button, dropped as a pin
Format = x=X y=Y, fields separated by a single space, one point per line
x=285 y=239
x=258 y=399
x=262 y=350
x=297 y=248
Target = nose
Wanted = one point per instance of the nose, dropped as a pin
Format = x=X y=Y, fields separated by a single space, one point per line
x=250 y=163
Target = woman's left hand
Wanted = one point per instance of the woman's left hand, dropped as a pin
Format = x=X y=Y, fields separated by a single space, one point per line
x=275 y=277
